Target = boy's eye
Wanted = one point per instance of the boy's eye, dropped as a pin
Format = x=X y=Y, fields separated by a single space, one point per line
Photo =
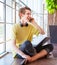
x=28 y=14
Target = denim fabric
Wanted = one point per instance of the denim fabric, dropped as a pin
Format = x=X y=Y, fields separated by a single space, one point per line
x=28 y=49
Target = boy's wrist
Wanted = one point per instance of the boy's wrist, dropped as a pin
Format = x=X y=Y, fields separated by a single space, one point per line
x=24 y=56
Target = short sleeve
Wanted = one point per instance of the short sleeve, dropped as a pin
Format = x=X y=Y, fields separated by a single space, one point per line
x=35 y=31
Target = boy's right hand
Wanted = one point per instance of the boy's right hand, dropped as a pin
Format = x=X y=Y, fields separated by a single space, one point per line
x=27 y=57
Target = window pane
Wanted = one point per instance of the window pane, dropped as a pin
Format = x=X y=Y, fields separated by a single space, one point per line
x=1 y=12
x=17 y=7
x=2 y=48
x=17 y=12
x=2 y=32
x=8 y=31
x=9 y=2
x=17 y=0
x=13 y=15
x=19 y=3
x=2 y=0
x=8 y=46
x=45 y=23
x=40 y=19
x=8 y=14
x=17 y=17
x=13 y=4
x=8 y=37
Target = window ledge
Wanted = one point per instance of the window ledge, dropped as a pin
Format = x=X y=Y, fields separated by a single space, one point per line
x=3 y=54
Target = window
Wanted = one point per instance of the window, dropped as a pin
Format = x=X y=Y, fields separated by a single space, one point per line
x=8 y=31
x=9 y=14
x=9 y=2
x=2 y=48
x=2 y=28
x=2 y=0
x=1 y=33
x=1 y=12
x=17 y=17
x=2 y=39
x=8 y=37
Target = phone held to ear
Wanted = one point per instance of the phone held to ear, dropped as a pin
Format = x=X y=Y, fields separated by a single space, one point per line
x=31 y=19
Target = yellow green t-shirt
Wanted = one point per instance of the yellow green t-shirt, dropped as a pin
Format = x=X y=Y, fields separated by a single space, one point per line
x=24 y=33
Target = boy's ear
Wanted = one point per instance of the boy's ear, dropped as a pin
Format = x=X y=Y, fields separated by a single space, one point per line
x=20 y=14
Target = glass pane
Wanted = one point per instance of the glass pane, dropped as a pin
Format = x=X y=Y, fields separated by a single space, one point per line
x=2 y=32
x=13 y=16
x=35 y=16
x=2 y=0
x=1 y=12
x=17 y=17
x=17 y=0
x=25 y=2
x=40 y=20
x=13 y=4
x=20 y=3
x=2 y=48
x=8 y=37
x=9 y=2
x=45 y=23
x=17 y=7
x=8 y=46
x=9 y=14
x=8 y=31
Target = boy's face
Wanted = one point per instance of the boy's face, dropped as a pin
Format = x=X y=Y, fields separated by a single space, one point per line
x=26 y=16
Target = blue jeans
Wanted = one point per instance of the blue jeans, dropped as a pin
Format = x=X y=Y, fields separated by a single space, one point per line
x=28 y=49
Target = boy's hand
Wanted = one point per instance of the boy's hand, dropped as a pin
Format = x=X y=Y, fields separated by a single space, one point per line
x=27 y=57
x=31 y=19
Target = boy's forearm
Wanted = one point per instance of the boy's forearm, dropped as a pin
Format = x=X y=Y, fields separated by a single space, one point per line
x=17 y=50
x=38 y=27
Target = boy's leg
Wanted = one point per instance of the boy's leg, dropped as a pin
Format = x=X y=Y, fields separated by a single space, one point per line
x=27 y=48
x=48 y=48
x=43 y=51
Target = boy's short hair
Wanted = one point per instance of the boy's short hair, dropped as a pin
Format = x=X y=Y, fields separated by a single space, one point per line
x=23 y=10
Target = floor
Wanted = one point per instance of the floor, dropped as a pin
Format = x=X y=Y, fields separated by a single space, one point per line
x=55 y=50
x=49 y=61
x=8 y=59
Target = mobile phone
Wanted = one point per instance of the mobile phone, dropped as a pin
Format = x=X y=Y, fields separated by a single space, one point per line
x=31 y=19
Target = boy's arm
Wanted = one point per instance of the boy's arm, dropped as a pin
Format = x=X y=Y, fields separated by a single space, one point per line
x=37 y=26
x=17 y=50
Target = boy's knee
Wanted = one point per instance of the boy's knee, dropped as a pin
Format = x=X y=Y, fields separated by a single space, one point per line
x=27 y=48
x=49 y=48
x=25 y=45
